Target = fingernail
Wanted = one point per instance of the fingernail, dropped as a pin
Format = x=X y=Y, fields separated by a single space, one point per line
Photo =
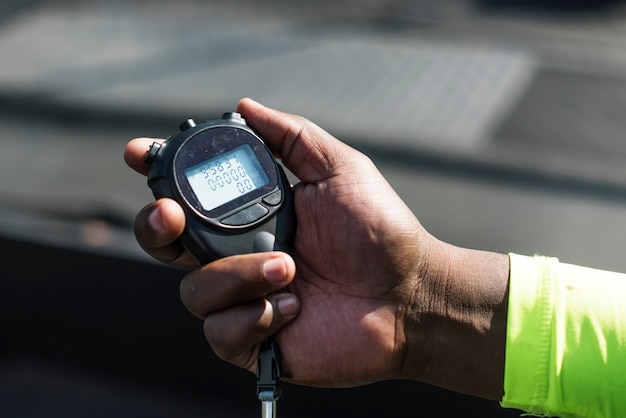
x=155 y=219
x=288 y=305
x=275 y=270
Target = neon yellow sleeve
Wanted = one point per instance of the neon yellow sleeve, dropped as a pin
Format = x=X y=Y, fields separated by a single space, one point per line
x=566 y=340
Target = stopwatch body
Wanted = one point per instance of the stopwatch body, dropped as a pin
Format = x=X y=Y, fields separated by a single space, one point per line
x=235 y=195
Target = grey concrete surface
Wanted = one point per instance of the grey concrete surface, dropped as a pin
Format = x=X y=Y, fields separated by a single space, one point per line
x=524 y=101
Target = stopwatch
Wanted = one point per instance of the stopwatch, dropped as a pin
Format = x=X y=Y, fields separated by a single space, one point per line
x=235 y=195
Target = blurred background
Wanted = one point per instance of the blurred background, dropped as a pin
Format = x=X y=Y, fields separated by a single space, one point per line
x=500 y=122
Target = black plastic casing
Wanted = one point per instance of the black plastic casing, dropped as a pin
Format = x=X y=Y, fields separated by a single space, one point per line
x=206 y=236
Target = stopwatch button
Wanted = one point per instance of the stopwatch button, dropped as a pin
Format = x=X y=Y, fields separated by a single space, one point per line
x=246 y=216
x=152 y=153
x=233 y=116
x=274 y=199
x=188 y=124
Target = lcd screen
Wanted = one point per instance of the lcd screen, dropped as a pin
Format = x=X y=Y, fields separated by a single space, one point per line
x=226 y=177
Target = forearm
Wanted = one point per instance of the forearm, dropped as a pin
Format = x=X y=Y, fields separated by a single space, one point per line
x=457 y=331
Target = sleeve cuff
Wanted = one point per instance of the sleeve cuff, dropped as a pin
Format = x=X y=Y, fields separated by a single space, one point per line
x=528 y=333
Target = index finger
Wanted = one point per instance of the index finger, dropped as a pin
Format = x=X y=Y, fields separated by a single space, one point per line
x=135 y=152
x=304 y=148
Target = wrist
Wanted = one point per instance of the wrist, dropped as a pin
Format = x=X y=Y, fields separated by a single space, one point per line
x=455 y=326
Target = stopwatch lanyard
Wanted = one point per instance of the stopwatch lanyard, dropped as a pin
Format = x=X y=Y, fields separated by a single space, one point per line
x=269 y=372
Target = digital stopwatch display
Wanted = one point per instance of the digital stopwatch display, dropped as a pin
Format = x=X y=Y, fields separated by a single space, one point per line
x=226 y=177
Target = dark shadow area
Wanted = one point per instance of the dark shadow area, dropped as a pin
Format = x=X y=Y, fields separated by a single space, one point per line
x=561 y=7
x=10 y=9
x=494 y=173
x=93 y=336
x=28 y=107
x=529 y=123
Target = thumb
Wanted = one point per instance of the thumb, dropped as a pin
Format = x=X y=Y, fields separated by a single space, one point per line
x=304 y=148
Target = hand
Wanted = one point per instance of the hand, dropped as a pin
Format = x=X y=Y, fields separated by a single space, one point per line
x=369 y=294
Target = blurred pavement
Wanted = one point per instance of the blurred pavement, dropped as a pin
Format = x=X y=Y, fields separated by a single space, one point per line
x=519 y=99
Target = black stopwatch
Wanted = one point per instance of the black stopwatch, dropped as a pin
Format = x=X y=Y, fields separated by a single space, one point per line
x=235 y=196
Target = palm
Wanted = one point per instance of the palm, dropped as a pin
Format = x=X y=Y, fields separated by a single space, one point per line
x=348 y=301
